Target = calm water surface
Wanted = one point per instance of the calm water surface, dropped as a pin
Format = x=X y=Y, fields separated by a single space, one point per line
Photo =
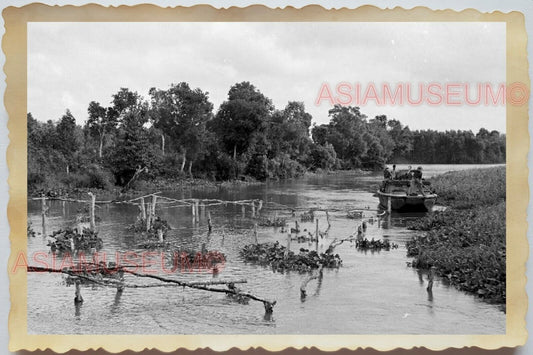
x=372 y=293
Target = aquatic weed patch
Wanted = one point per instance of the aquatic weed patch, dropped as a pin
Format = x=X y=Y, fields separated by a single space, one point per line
x=470 y=188
x=277 y=257
x=373 y=244
x=70 y=239
x=272 y=222
x=467 y=246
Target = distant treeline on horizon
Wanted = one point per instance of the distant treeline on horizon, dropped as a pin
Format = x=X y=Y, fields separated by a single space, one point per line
x=176 y=133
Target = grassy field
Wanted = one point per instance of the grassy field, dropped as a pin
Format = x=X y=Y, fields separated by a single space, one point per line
x=466 y=243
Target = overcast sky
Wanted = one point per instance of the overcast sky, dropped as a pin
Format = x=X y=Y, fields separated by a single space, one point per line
x=71 y=64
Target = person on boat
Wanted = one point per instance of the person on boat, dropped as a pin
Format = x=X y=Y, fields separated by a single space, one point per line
x=416 y=181
x=387 y=174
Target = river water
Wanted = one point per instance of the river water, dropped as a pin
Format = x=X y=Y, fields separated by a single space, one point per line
x=372 y=293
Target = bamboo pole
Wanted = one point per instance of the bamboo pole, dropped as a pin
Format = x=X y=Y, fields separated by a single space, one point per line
x=193 y=211
x=43 y=215
x=255 y=233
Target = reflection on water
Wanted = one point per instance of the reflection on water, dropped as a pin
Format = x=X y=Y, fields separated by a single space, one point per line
x=372 y=293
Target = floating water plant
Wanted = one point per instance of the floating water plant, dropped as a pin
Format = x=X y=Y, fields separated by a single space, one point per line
x=373 y=244
x=71 y=240
x=308 y=216
x=280 y=259
x=272 y=222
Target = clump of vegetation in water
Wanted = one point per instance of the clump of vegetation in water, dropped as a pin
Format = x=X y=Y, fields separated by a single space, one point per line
x=30 y=231
x=157 y=224
x=274 y=255
x=70 y=240
x=308 y=216
x=466 y=245
x=100 y=272
x=272 y=222
x=365 y=244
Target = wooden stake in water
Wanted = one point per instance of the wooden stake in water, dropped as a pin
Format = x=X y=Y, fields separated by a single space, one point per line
x=77 y=297
x=91 y=211
x=288 y=246
x=255 y=233
x=154 y=203
x=193 y=211
x=389 y=205
x=160 y=235
x=43 y=214
x=253 y=209
x=243 y=210
x=197 y=210
x=120 y=287
x=143 y=210
x=148 y=216
x=431 y=276
x=202 y=210
x=209 y=221
x=316 y=235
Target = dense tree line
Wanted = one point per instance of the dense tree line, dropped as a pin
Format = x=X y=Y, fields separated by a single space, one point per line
x=175 y=133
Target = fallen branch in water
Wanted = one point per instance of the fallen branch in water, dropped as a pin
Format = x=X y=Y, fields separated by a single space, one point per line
x=267 y=304
x=303 y=292
x=200 y=285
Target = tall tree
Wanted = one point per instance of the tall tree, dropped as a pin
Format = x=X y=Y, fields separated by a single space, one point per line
x=243 y=118
x=67 y=138
x=102 y=121
x=134 y=149
x=182 y=114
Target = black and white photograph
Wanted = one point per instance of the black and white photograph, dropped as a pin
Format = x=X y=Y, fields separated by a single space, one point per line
x=266 y=178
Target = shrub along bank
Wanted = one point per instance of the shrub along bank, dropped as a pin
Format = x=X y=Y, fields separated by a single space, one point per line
x=466 y=243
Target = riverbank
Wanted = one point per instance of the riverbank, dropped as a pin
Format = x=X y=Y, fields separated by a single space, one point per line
x=465 y=244
x=167 y=184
